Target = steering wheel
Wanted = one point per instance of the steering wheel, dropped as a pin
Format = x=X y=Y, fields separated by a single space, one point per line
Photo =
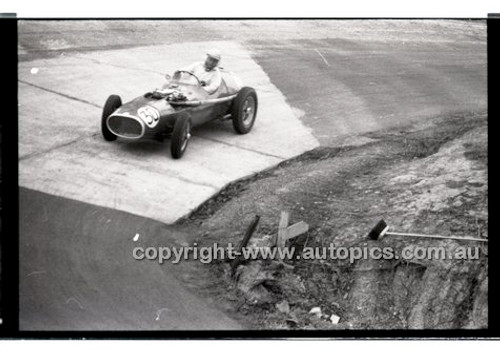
x=188 y=72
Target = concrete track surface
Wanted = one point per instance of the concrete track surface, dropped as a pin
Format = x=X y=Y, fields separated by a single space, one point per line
x=63 y=138
x=319 y=83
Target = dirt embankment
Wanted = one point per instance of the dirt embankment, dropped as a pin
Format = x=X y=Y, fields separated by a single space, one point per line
x=430 y=178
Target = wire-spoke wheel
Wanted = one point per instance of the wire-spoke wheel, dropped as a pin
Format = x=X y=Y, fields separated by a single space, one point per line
x=244 y=110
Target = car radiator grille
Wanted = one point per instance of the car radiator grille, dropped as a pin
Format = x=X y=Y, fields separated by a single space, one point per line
x=125 y=126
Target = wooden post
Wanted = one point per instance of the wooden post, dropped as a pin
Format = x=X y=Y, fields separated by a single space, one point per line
x=280 y=241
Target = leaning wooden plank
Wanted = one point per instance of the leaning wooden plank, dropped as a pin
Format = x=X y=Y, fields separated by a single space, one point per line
x=295 y=230
x=248 y=234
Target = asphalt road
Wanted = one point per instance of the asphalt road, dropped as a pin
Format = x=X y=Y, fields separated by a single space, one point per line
x=76 y=266
x=77 y=272
x=345 y=88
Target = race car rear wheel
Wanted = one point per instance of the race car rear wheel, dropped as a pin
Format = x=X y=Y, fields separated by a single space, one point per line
x=244 y=110
x=180 y=136
x=112 y=104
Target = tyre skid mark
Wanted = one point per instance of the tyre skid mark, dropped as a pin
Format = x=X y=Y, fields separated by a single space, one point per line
x=239 y=147
x=57 y=147
x=60 y=94
x=119 y=66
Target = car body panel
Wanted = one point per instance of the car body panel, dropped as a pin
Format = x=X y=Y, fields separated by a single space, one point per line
x=153 y=115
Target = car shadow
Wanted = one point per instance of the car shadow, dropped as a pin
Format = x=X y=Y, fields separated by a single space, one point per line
x=151 y=147
x=144 y=147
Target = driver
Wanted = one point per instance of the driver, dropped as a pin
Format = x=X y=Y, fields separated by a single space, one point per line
x=208 y=71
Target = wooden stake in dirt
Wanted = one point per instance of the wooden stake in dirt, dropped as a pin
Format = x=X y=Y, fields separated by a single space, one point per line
x=280 y=241
x=286 y=232
x=248 y=234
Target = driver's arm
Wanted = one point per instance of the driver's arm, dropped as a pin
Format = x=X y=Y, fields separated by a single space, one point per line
x=191 y=68
x=213 y=82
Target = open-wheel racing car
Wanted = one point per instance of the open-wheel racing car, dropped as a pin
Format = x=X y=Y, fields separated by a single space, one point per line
x=171 y=112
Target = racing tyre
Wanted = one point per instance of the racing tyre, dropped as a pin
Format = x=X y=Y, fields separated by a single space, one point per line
x=180 y=136
x=112 y=104
x=244 y=110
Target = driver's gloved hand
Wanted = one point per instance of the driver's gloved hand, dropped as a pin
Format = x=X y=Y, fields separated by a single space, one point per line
x=203 y=83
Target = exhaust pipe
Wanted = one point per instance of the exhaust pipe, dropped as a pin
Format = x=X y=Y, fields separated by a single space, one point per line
x=204 y=102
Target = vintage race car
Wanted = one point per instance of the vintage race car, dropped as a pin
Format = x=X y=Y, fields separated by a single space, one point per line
x=171 y=112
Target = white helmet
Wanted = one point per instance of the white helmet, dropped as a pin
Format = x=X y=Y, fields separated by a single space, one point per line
x=214 y=53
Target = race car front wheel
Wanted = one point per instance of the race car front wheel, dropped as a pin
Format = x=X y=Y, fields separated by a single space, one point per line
x=180 y=136
x=112 y=104
x=244 y=110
